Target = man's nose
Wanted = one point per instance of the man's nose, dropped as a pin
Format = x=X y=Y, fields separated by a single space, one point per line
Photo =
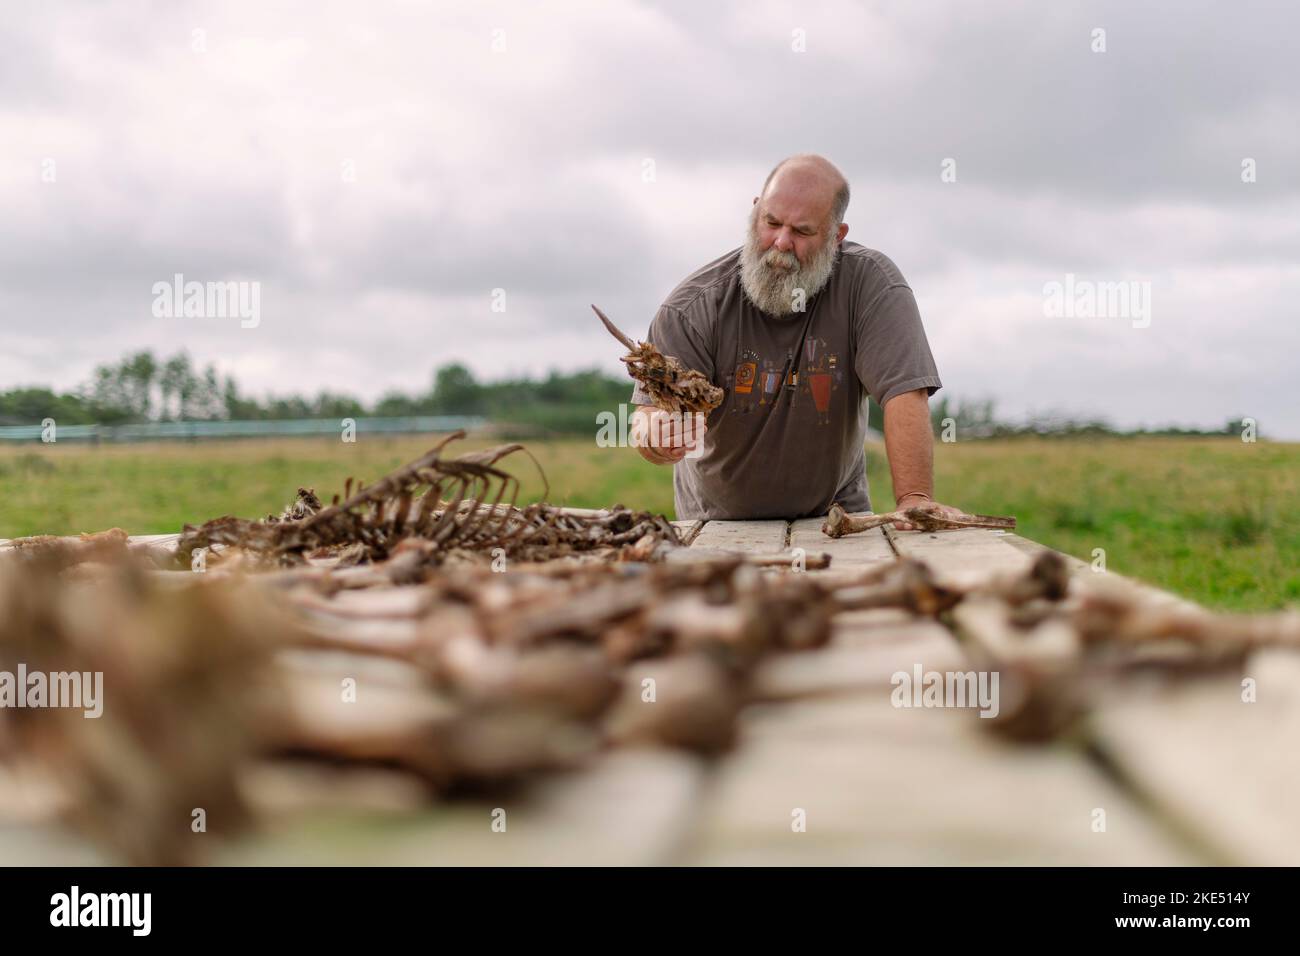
x=782 y=241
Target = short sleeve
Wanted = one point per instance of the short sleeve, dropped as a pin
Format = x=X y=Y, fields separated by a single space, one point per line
x=892 y=352
x=674 y=333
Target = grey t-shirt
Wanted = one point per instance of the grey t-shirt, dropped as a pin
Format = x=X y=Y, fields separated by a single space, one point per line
x=787 y=440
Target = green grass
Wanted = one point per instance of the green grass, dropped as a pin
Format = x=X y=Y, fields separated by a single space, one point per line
x=1216 y=520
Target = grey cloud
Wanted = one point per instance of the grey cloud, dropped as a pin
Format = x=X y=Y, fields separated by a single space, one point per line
x=521 y=171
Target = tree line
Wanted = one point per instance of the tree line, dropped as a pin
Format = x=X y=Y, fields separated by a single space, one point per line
x=142 y=387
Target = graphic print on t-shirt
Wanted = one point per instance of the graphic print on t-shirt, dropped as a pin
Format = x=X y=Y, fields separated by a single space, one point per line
x=821 y=376
x=745 y=380
x=758 y=382
x=769 y=383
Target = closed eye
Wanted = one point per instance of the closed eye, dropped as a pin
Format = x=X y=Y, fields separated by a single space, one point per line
x=802 y=230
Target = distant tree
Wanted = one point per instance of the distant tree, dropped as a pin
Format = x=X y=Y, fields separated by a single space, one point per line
x=235 y=406
x=399 y=404
x=30 y=406
x=138 y=373
x=331 y=405
x=209 y=404
x=175 y=380
x=455 y=392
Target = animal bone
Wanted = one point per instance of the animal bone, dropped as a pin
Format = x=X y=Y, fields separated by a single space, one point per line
x=1116 y=615
x=1040 y=696
x=839 y=523
x=377 y=516
x=670 y=385
x=458 y=512
x=187 y=689
x=906 y=584
x=695 y=704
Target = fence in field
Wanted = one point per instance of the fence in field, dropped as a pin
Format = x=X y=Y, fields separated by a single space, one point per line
x=196 y=431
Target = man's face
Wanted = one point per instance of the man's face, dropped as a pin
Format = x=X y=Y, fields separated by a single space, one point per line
x=792 y=224
x=790 y=247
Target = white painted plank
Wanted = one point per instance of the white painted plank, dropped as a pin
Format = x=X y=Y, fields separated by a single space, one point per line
x=964 y=556
x=632 y=808
x=851 y=664
x=758 y=537
x=850 y=551
x=1226 y=769
x=154 y=538
x=881 y=785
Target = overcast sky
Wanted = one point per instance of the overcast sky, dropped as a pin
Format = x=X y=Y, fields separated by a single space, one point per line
x=381 y=168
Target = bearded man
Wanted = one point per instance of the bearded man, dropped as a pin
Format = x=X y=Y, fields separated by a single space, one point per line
x=798 y=328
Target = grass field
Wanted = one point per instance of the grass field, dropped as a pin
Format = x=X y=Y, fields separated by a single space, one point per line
x=1216 y=520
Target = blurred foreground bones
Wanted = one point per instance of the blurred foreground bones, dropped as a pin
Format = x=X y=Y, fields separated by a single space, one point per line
x=380 y=633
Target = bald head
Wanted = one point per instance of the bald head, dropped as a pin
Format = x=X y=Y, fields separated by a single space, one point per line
x=795 y=231
x=812 y=183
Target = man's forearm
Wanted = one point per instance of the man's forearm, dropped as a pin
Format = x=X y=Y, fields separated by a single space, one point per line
x=909 y=444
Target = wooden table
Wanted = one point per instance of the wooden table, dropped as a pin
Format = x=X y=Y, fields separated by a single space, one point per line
x=1189 y=776
x=887 y=785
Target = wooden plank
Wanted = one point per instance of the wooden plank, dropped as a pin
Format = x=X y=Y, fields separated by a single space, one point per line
x=964 y=556
x=851 y=551
x=880 y=625
x=147 y=539
x=154 y=538
x=1033 y=549
x=1224 y=769
x=633 y=807
x=47 y=845
x=758 y=537
x=852 y=663
x=881 y=785
x=866 y=650
x=28 y=795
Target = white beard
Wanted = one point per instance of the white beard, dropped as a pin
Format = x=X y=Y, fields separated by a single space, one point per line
x=772 y=288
